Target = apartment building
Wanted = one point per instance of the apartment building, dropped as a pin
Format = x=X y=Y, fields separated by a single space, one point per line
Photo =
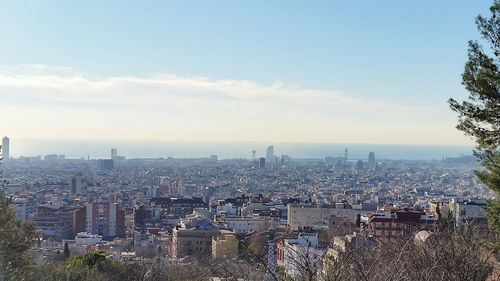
x=395 y=223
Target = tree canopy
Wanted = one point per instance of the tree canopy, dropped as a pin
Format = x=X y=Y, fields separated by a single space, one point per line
x=15 y=240
x=479 y=115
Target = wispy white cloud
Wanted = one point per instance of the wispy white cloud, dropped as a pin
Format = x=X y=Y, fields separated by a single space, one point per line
x=43 y=101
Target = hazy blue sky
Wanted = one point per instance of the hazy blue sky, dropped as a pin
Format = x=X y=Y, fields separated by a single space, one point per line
x=325 y=71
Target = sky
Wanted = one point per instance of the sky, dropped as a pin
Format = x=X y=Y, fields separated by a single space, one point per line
x=284 y=71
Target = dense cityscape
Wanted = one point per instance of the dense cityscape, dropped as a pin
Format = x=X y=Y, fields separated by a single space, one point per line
x=226 y=140
x=186 y=210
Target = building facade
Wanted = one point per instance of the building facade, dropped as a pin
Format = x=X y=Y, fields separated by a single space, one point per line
x=192 y=242
x=114 y=153
x=225 y=245
x=244 y=225
x=106 y=219
x=6 y=148
x=302 y=256
x=270 y=155
x=54 y=221
x=308 y=216
x=396 y=223
x=78 y=185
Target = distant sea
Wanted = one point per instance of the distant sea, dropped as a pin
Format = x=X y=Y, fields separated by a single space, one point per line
x=74 y=148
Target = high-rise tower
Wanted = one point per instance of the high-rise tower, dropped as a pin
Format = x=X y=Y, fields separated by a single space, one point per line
x=371 y=159
x=78 y=186
x=253 y=154
x=262 y=162
x=114 y=153
x=270 y=154
x=5 y=148
x=345 y=156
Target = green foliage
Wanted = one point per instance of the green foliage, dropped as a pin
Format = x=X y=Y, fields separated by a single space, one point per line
x=15 y=240
x=491 y=178
x=91 y=260
x=93 y=266
x=96 y=266
x=479 y=115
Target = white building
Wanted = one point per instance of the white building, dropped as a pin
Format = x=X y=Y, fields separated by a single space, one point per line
x=302 y=255
x=468 y=211
x=85 y=238
x=227 y=209
x=244 y=225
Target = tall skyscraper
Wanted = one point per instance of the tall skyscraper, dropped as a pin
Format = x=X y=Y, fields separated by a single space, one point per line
x=253 y=154
x=270 y=154
x=345 y=156
x=78 y=185
x=5 y=148
x=371 y=159
x=114 y=153
x=262 y=162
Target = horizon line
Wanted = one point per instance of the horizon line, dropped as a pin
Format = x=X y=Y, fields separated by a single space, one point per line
x=234 y=141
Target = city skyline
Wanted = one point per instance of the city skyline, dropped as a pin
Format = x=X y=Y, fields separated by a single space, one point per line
x=103 y=149
x=266 y=72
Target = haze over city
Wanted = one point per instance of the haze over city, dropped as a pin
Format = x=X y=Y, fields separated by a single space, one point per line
x=334 y=72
